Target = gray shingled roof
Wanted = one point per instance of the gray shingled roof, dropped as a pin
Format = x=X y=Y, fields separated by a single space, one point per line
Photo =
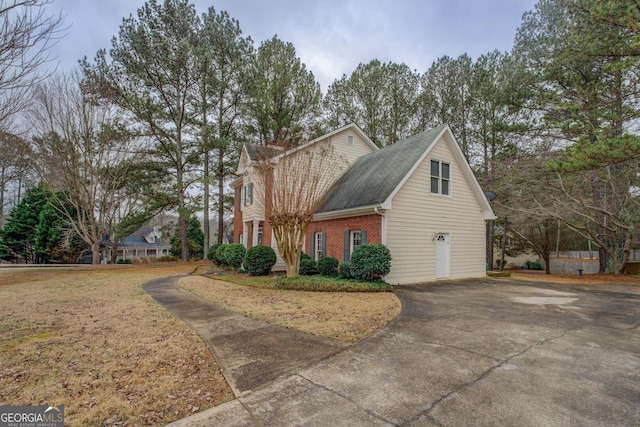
x=372 y=178
x=137 y=239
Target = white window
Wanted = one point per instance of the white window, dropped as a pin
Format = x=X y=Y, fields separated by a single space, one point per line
x=440 y=178
x=248 y=194
x=356 y=239
x=318 y=246
x=350 y=139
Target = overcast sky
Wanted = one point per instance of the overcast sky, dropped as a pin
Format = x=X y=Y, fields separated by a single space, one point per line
x=330 y=36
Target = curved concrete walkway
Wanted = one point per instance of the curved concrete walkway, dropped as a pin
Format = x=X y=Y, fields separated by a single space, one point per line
x=474 y=352
x=250 y=353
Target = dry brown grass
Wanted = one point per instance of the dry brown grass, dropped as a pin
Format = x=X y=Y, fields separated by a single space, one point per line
x=586 y=279
x=344 y=316
x=93 y=341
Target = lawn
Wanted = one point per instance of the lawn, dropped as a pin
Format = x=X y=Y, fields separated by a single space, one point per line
x=344 y=316
x=92 y=340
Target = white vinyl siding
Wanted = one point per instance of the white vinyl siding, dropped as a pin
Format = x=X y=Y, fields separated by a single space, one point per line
x=415 y=220
x=252 y=196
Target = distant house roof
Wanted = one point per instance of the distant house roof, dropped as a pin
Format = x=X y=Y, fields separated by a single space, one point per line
x=140 y=239
x=374 y=177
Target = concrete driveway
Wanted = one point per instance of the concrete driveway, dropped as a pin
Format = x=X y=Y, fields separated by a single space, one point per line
x=473 y=352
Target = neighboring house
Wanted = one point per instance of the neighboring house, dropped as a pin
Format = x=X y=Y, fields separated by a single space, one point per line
x=418 y=197
x=144 y=243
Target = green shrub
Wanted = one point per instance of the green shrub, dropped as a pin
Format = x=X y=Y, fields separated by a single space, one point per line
x=259 y=260
x=304 y=256
x=123 y=261
x=234 y=255
x=168 y=258
x=308 y=267
x=370 y=262
x=533 y=265
x=219 y=256
x=328 y=266
x=211 y=253
x=344 y=271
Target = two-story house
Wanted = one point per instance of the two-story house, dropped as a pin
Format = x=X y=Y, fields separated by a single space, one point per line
x=418 y=197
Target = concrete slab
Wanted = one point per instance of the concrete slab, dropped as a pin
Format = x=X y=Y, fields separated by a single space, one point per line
x=472 y=352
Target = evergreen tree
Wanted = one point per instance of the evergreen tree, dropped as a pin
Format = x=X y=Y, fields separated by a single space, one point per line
x=151 y=73
x=380 y=98
x=285 y=99
x=19 y=233
x=579 y=83
x=223 y=56
x=195 y=238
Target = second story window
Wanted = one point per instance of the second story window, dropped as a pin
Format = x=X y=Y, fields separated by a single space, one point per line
x=440 y=178
x=248 y=194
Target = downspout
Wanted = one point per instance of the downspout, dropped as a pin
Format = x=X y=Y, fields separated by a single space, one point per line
x=383 y=227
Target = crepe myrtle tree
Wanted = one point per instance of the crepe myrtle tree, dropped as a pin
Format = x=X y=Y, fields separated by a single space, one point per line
x=294 y=183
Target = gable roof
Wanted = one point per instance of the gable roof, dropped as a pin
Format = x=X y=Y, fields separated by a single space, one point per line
x=374 y=177
x=257 y=152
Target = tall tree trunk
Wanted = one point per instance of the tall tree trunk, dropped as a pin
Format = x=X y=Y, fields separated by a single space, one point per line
x=504 y=244
x=2 y=187
x=626 y=252
x=95 y=253
x=546 y=256
x=207 y=187
x=220 y=177
x=114 y=253
x=489 y=244
x=206 y=201
x=182 y=212
x=597 y=201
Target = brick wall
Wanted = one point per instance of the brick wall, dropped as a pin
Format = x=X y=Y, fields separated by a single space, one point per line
x=237 y=215
x=335 y=229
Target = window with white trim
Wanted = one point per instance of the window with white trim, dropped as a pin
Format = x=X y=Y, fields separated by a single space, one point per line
x=248 y=194
x=356 y=239
x=440 y=178
x=318 y=246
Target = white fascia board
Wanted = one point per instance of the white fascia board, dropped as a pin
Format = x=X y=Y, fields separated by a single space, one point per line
x=345 y=213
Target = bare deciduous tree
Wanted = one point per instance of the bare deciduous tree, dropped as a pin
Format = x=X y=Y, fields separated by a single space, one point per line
x=27 y=34
x=83 y=154
x=294 y=183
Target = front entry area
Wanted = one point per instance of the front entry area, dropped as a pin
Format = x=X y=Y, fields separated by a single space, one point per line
x=442 y=256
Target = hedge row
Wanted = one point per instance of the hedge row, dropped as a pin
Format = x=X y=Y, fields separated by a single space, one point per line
x=257 y=261
x=370 y=262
